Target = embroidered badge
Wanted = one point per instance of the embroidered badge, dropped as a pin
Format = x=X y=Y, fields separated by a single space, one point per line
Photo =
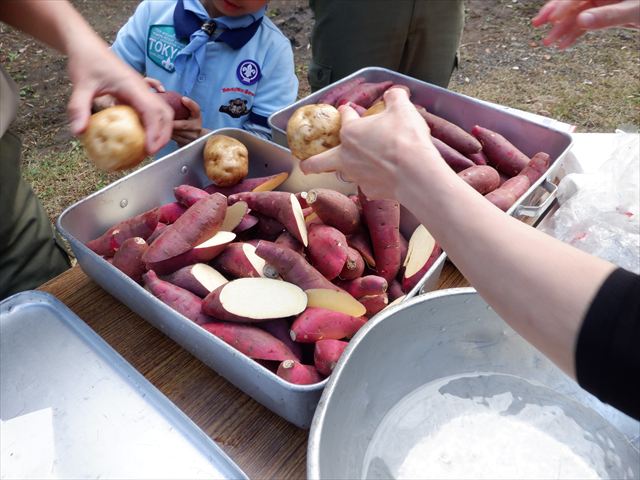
x=235 y=108
x=163 y=46
x=248 y=72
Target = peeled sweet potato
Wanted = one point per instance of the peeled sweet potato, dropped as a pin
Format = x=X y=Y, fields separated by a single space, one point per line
x=423 y=252
x=199 y=278
x=257 y=184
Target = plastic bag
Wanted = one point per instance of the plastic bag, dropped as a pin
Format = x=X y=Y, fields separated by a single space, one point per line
x=600 y=212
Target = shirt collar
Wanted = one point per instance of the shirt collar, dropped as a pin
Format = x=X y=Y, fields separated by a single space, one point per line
x=236 y=31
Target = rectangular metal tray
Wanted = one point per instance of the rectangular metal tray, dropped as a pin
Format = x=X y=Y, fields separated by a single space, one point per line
x=526 y=134
x=152 y=186
x=72 y=407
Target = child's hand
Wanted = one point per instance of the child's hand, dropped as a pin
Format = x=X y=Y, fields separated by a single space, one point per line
x=155 y=84
x=186 y=131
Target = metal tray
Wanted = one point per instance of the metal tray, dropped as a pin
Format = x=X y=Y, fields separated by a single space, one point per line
x=72 y=407
x=152 y=186
x=453 y=338
x=528 y=135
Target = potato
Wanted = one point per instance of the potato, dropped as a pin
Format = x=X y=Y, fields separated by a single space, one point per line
x=226 y=160
x=114 y=139
x=312 y=129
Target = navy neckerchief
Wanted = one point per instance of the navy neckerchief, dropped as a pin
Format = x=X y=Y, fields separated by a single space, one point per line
x=186 y=22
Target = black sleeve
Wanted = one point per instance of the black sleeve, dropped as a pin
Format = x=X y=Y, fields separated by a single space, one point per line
x=608 y=347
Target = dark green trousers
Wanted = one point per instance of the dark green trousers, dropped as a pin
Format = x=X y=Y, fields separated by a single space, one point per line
x=419 y=38
x=29 y=252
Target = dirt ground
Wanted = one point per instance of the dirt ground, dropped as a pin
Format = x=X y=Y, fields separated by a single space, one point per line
x=595 y=85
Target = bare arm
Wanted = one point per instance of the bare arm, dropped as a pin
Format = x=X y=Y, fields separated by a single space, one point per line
x=539 y=285
x=93 y=69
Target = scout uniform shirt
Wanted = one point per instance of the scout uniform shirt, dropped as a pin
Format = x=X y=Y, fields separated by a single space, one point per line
x=239 y=75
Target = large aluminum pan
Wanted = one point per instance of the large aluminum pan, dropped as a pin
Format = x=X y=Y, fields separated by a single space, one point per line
x=528 y=135
x=152 y=186
x=72 y=407
x=453 y=338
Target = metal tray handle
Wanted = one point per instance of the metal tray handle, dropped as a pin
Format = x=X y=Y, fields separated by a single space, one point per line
x=537 y=210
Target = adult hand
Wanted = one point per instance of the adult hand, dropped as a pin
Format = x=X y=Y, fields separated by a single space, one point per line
x=96 y=71
x=380 y=152
x=186 y=131
x=570 y=19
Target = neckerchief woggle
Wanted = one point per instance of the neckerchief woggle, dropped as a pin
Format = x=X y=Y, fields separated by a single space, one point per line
x=198 y=28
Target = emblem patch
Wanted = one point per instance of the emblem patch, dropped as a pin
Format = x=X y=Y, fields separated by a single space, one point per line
x=163 y=46
x=248 y=72
x=235 y=108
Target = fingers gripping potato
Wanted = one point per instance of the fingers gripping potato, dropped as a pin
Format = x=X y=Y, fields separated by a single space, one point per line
x=114 y=139
x=226 y=160
x=312 y=129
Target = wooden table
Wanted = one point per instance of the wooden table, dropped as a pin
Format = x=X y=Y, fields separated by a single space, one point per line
x=260 y=442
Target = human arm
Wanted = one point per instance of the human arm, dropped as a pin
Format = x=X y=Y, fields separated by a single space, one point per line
x=539 y=285
x=93 y=69
x=571 y=19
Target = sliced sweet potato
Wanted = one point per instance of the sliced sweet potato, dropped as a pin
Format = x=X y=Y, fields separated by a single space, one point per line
x=338 y=301
x=199 y=278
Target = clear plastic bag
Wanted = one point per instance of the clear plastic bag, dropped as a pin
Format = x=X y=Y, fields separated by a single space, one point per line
x=600 y=211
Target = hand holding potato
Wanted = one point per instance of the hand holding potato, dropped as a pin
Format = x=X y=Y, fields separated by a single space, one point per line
x=188 y=129
x=115 y=138
x=380 y=152
x=312 y=129
x=226 y=160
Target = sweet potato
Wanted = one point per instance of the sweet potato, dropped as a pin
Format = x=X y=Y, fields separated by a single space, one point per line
x=257 y=184
x=317 y=323
x=239 y=260
x=281 y=329
x=374 y=303
x=281 y=206
x=252 y=341
x=302 y=199
x=362 y=243
x=187 y=195
x=128 y=258
x=383 y=220
x=267 y=228
x=332 y=95
x=395 y=290
x=454 y=159
x=326 y=355
x=199 y=278
x=364 y=94
x=327 y=250
x=141 y=226
x=233 y=216
x=286 y=240
x=200 y=222
x=334 y=209
x=335 y=300
x=423 y=252
x=248 y=222
x=536 y=167
x=170 y=212
x=500 y=152
x=449 y=133
x=478 y=158
x=181 y=300
x=404 y=248
x=509 y=192
x=297 y=373
x=156 y=233
x=354 y=266
x=367 y=285
x=202 y=253
x=359 y=110
x=482 y=178
x=249 y=300
x=291 y=266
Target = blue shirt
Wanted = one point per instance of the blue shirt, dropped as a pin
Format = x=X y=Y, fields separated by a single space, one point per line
x=236 y=88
